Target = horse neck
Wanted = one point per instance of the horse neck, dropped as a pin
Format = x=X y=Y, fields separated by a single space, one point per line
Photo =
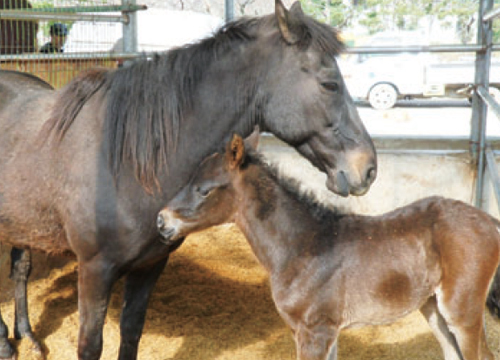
x=276 y=224
x=230 y=99
x=234 y=88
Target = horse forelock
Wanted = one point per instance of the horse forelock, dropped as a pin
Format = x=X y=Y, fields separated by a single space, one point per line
x=322 y=37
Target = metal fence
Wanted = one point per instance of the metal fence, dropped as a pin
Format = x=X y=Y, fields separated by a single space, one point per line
x=482 y=153
x=32 y=32
x=480 y=148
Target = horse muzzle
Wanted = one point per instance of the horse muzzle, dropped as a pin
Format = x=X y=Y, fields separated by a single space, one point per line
x=348 y=172
x=344 y=185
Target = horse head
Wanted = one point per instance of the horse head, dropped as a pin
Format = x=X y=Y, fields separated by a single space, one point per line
x=309 y=106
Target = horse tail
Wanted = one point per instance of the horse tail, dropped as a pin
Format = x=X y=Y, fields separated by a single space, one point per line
x=493 y=299
x=71 y=100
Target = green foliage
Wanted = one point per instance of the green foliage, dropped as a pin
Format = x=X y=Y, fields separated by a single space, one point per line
x=380 y=15
x=333 y=12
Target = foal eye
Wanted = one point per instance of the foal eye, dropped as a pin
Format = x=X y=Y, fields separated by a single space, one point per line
x=331 y=86
x=204 y=192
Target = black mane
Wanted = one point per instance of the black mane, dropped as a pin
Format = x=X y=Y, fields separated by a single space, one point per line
x=146 y=101
x=319 y=210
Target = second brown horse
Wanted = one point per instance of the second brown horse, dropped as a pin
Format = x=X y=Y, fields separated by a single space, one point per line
x=331 y=271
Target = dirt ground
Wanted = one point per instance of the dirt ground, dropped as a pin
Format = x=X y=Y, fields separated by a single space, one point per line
x=212 y=302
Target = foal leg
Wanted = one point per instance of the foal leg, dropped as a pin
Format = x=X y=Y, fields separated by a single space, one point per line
x=440 y=329
x=138 y=287
x=332 y=353
x=95 y=280
x=316 y=343
x=19 y=272
x=464 y=316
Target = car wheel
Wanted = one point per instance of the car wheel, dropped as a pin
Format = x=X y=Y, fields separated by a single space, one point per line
x=382 y=96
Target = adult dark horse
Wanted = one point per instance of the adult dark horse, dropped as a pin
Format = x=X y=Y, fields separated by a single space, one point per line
x=15 y=85
x=85 y=170
x=330 y=271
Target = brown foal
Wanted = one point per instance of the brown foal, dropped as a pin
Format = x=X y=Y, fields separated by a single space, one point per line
x=331 y=271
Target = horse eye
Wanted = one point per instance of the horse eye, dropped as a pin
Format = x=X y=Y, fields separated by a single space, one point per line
x=331 y=86
x=335 y=129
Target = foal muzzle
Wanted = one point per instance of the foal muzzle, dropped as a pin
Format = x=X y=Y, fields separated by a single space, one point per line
x=163 y=224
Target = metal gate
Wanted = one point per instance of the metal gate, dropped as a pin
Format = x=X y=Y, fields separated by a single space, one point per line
x=56 y=39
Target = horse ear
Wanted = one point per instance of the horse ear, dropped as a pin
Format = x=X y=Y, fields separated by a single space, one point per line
x=235 y=152
x=288 y=20
x=296 y=9
x=252 y=140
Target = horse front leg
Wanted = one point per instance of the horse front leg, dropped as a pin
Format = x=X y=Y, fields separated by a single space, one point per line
x=6 y=350
x=95 y=280
x=20 y=270
x=138 y=287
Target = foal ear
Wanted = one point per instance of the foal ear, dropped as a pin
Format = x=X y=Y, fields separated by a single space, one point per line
x=235 y=152
x=288 y=21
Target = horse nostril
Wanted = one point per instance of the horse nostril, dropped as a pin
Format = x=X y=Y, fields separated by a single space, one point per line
x=342 y=184
x=160 y=222
x=371 y=174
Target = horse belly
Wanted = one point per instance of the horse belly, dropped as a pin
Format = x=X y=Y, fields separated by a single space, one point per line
x=391 y=295
x=391 y=280
x=28 y=217
x=47 y=234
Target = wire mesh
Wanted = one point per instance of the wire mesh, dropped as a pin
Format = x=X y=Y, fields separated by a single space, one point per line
x=56 y=39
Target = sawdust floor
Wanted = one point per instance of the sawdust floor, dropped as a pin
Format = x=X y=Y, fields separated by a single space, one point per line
x=212 y=302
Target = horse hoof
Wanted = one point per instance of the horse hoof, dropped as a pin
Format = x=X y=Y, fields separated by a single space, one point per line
x=28 y=345
x=13 y=357
x=7 y=352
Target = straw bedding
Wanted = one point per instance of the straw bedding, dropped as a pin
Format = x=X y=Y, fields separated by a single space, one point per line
x=212 y=302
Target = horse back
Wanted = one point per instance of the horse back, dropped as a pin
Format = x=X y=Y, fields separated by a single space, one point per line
x=454 y=230
x=468 y=242
x=15 y=84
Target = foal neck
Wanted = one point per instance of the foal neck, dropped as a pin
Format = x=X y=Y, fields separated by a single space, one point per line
x=276 y=219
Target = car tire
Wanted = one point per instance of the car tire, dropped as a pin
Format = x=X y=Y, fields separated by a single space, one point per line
x=382 y=96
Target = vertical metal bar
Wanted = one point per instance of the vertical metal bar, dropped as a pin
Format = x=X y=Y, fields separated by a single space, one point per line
x=130 y=29
x=493 y=171
x=229 y=10
x=479 y=109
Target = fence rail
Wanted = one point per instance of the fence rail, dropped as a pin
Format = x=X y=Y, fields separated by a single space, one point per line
x=94 y=29
x=481 y=150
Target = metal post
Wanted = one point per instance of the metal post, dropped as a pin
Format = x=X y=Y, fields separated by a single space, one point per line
x=493 y=171
x=479 y=108
x=229 y=10
x=130 y=29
